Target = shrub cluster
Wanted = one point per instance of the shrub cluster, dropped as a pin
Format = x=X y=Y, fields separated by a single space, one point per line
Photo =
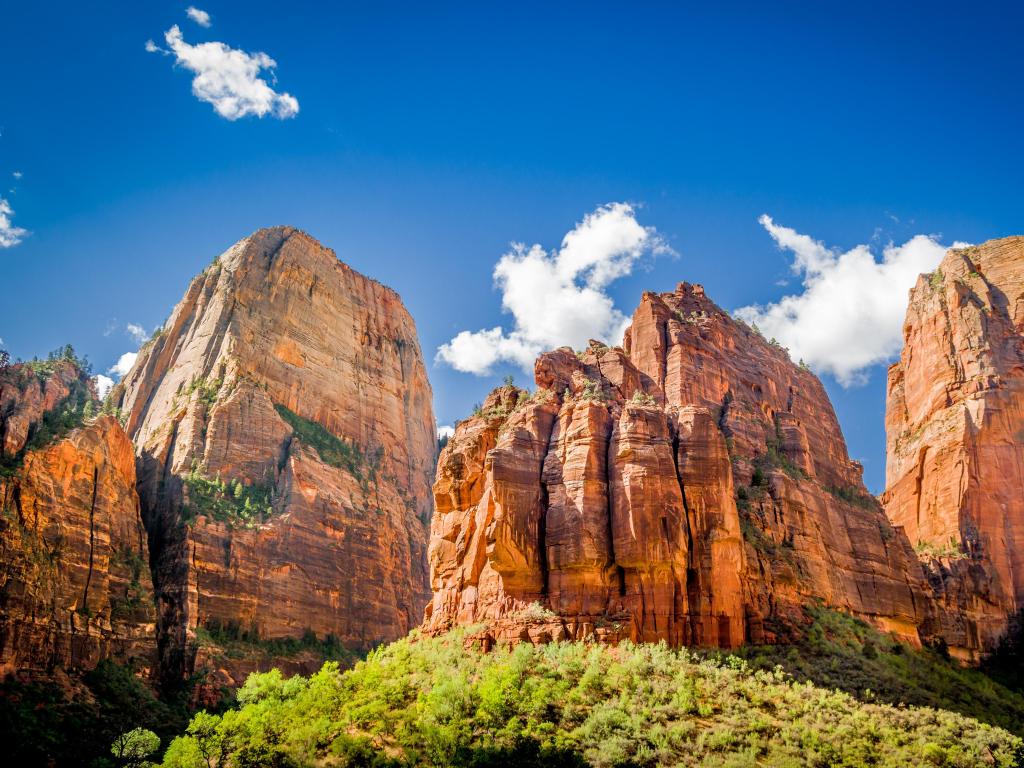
x=435 y=701
x=332 y=450
x=227 y=502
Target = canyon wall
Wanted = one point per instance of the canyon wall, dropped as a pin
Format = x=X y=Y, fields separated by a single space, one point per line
x=955 y=431
x=74 y=563
x=285 y=448
x=692 y=485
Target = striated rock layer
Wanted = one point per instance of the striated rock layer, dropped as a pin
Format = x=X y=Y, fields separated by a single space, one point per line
x=285 y=379
x=691 y=486
x=955 y=433
x=74 y=575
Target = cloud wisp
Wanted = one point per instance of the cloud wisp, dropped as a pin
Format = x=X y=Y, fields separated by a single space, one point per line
x=10 y=235
x=200 y=17
x=228 y=78
x=849 y=314
x=558 y=298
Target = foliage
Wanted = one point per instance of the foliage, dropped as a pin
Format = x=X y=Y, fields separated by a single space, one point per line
x=227 y=502
x=332 y=450
x=72 y=412
x=642 y=398
x=131 y=560
x=133 y=747
x=207 y=389
x=853 y=495
x=927 y=550
x=840 y=651
x=1006 y=663
x=433 y=701
x=42 y=722
x=235 y=642
x=935 y=279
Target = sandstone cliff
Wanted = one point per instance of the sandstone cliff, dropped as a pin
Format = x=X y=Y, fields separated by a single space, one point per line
x=286 y=444
x=691 y=486
x=74 y=565
x=955 y=432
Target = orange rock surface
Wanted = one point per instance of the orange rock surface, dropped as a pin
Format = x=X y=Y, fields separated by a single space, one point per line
x=691 y=486
x=277 y=322
x=955 y=431
x=74 y=563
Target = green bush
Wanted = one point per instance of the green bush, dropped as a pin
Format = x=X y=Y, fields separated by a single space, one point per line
x=435 y=701
x=332 y=449
x=227 y=502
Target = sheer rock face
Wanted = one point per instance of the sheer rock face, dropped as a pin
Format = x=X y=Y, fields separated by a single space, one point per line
x=24 y=398
x=955 y=432
x=692 y=486
x=277 y=321
x=75 y=584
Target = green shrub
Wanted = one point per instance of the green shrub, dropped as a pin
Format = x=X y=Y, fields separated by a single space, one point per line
x=440 y=701
x=332 y=449
x=227 y=502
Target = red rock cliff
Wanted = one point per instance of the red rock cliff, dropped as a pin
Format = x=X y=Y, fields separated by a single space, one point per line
x=691 y=486
x=74 y=564
x=955 y=432
x=287 y=379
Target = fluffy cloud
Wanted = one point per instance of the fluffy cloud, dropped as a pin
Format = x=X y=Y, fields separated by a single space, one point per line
x=137 y=332
x=124 y=364
x=10 y=235
x=228 y=78
x=849 y=315
x=202 y=18
x=445 y=431
x=103 y=384
x=17 y=174
x=558 y=298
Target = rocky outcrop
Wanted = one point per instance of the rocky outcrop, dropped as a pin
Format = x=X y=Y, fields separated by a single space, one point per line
x=691 y=486
x=286 y=445
x=955 y=434
x=74 y=563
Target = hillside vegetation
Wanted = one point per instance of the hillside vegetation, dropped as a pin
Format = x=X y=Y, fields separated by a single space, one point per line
x=441 y=701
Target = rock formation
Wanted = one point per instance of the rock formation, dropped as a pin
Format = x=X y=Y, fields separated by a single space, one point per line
x=74 y=564
x=955 y=432
x=286 y=444
x=691 y=486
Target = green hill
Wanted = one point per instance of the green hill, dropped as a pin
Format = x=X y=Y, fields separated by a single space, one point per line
x=441 y=701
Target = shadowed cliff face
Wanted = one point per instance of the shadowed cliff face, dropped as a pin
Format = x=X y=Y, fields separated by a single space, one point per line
x=955 y=432
x=692 y=486
x=74 y=565
x=285 y=440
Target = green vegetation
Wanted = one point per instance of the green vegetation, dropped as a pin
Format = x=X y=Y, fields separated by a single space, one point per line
x=133 y=748
x=207 y=389
x=332 y=450
x=642 y=398
x=72 y=412
x=74 y=723
x=841 y=652
x=235 y=643
x=433 y=701
x=935 y=279
x=122 y=607
x=948 y=551
x=227 y=502
x=853 y=495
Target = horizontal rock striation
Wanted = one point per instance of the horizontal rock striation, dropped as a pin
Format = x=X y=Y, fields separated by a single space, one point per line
x=691 y=486
x=286 y=444
x=955 y=434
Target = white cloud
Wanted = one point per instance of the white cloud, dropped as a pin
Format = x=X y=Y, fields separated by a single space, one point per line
x=10 y=235
x=445 y=431
x=558 y=298
x=202 y=18
x=124 y=364
x=17 y=174
x=850 y=313
x=228 y=78
x=137 y=332
x=103 y=384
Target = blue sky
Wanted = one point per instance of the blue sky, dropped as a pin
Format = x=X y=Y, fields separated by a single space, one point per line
x=430 y=136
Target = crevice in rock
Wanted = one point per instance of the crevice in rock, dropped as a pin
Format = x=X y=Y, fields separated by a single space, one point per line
x=92 y=537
